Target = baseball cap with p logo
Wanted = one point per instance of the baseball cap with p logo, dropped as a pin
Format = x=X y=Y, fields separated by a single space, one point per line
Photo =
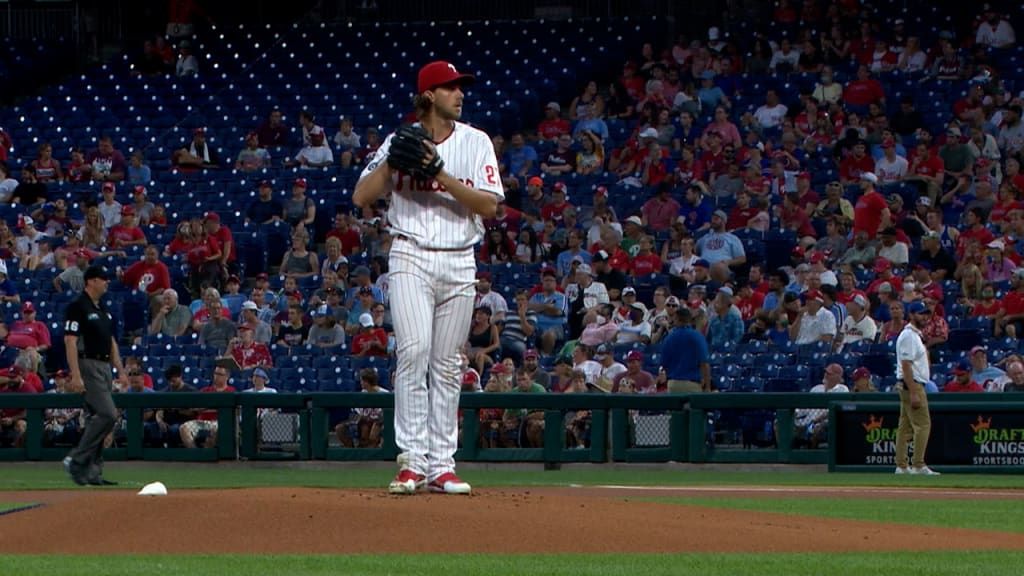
x=439 y=73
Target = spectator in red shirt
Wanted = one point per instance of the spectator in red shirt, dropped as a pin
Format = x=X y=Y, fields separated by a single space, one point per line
x=346 y=233
x=748 y=300
x=508 y=219
x=634 y=85
x=272 y=133
x=206 y=420
x=928 y=168
x=12 y=420
x=1011 y=317
x=148 y=274
x=857 y=163
x=247 y=352
x=28 y=332
x=884 y=275
x=660 y=211
x=370 y=340
x=872 y=211
x=554 y=209
x=126 y=232
x=646 y=261
x=743 y=212
x=229 y=255
x=863 y=47
x=975 y=230
x=794 y=217
x=962 y=381
x=552 y=126
x=864 y=90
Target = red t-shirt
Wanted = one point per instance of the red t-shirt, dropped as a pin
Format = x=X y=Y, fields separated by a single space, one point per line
x=212 y=413
x=955 y=386
x=845 y=298
x=202 y=316
x=364 y=338
x=1013 y=303
x=896 y=282
x=24 y=334
x=851 y=167
x=24 y=388
x=156 y=276
x=867 y=214
x=635 y=87
x=982 y=235
x=982 y=309
x=350 y=240
x=554 y=211
x=646 y=264
x=1002 y=209
x=933 y=166
x=739 y=217
x=223 y=236
x=551 y=129
x=618 y=259
x=796 y=219
x=124 y=234
x=749 y=306
x=863 y=92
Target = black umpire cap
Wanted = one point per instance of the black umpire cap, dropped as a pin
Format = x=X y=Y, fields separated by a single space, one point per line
x=96 y=271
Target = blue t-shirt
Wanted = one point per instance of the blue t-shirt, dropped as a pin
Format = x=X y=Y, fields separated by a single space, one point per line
x=720 y=246
x=595 y=125
x=516 y=159
x=683 y=352
x=710 y=97
x=564 y=261
x=696 y=216
x=8 y=288
x=545 y=322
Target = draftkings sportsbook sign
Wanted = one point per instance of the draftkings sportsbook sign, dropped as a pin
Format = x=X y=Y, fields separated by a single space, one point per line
x=866 y=436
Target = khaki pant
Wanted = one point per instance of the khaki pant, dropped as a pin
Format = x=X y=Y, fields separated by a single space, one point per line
x=684 y=387
x=915 y=423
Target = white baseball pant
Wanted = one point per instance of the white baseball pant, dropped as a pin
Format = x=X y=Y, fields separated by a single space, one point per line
x=432 y=294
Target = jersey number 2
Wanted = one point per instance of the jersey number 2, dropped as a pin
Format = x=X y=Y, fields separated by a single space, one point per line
x=491 y=175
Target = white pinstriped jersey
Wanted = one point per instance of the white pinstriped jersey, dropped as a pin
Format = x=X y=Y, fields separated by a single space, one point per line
x=428 y=215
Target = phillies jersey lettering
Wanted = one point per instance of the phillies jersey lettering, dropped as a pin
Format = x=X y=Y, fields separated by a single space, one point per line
x=426 y=213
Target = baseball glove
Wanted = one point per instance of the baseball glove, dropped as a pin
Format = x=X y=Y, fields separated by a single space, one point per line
x=408 y=153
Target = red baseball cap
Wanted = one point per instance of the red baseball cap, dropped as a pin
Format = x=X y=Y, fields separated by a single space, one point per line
x=27 y=307
x=299 y=182
x=293 y=294
x=127 y=211
x=882 y=264
x=140 y=189
x=439 y=73
x=535 y=181
x=212 y=216
x=861 y=372
x=797 y=251
x=814 y=295
x=263 y=276
x=817 y=257
x=804 y=175
x=601 y=191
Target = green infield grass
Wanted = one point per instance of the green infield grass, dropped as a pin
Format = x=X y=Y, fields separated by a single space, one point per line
x=8 y=506
x=40 y=476
x=1001 y=515
x=902 y=563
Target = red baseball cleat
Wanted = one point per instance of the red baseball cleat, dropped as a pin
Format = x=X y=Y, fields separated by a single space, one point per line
x=449 y=483
x=407 y=482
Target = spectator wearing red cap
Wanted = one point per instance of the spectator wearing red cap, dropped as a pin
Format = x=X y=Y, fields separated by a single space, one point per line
x=109 y=207
x=962 y=379
x=635 y=378
x=106 y=163
x=554 y=208
x=126 y=233
x=28 y=332
x=299 y=210
x=12 y=420
x=141 y=205
x=197 y=154
x=858 y=325
x=252 y=157
x=890 y=168
x=535 y=201
x=814 y=322
x=812 y=423
x=247 y=352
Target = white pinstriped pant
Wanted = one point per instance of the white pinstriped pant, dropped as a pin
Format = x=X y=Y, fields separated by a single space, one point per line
x=432 y=295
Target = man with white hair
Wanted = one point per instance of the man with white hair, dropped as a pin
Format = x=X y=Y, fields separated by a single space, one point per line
x=858 y=324
x=171 y=318
x=812 y=423
x=1013 y=381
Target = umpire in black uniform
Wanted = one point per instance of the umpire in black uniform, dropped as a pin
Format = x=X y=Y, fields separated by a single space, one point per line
x=91 y=350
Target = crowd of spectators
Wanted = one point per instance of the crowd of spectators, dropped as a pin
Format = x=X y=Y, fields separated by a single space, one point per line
x=883 y=206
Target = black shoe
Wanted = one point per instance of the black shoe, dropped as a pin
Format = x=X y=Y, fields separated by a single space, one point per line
x=74 y=471
x=101 y=482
